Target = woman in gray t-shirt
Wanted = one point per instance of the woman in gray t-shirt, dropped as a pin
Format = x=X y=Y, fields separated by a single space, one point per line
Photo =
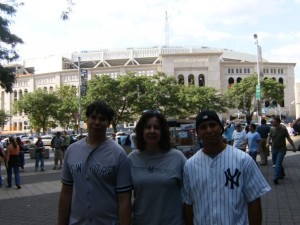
x=156 y=171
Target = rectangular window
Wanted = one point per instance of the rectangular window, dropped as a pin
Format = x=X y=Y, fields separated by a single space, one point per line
x=229 y=70
x=236 y=70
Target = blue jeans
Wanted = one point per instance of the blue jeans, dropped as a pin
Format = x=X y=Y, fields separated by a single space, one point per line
x=0 y=175
x=253 y=155
x=16 y=173
x=277 y=158
x=39 y=157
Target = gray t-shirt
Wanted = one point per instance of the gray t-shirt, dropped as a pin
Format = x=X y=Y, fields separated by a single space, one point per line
x=97 y=176
x=157 y=181
x=278 y=136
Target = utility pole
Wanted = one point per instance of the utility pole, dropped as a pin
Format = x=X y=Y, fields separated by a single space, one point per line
x=79 y=92
x=167 y=31
x=258 y=88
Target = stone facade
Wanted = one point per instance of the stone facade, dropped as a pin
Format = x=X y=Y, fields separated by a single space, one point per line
x=202 y=66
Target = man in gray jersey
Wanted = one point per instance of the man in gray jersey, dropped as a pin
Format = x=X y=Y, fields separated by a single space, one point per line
x=222 y=184
x=96 y=179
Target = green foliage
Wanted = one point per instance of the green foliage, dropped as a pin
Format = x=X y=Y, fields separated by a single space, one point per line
x=8 y=42
x=3 y=118
x=67 y=111
x=40 y=107
x=196 y=99
x=243 y=95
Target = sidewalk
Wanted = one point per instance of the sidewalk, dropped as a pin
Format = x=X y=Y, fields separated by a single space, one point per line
x=36 y=203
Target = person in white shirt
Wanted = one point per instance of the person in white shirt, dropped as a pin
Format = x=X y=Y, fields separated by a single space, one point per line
x=221 y=184
x=239 y=137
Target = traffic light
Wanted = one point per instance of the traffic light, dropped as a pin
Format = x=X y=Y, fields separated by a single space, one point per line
x=267 y=103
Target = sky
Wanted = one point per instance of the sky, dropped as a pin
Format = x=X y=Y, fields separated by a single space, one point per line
x=119 y=24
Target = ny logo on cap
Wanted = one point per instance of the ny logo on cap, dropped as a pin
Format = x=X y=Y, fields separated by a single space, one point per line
x=205 y=117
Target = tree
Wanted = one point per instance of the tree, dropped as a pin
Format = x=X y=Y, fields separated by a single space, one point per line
x=67 y=111
x=196 y=99
x=8 y=42
x=125 y=95
x=65 y=15
x=164 y=94
x=3 y=118
x=40 y=107
x=242 y=96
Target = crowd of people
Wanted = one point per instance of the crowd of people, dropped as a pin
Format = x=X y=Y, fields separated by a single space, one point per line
x=155 y=183
x=14 y=159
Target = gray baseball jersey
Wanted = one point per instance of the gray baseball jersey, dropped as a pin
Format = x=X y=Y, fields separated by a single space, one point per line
x=97 y=175
x=219 y=188
x=157 y=181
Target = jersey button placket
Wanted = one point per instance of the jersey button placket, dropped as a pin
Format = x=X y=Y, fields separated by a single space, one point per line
x=213 y=175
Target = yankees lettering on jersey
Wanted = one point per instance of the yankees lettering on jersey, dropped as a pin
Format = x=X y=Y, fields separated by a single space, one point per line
x=234 y=179
x=94 y=168
x=152 y=169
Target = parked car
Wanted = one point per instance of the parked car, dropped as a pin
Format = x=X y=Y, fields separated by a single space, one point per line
x=46 y=139
x=28 y=142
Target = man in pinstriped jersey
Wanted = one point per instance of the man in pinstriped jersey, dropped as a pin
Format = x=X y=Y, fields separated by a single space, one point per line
x=222 y=185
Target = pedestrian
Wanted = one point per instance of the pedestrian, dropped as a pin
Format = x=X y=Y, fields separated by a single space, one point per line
x=133 y=140
x=252 y=140
x=157 y=171
x=96 y=179
x=228 y=131
x=114 y=138
x=1 y=159
x=239 y=137
x=222 y=184
x=39 y=154
x=278 y=135
x=22 y=152
x=66 y=142
x=13 y=163
x=263 y=131
x=56 y=143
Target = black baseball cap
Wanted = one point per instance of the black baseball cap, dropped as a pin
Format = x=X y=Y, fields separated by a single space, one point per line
x=208 y=115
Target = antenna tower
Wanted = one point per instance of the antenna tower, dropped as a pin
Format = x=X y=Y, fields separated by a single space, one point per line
x=167 y=30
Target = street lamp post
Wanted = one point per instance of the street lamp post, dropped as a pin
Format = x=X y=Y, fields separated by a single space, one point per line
x=258 y=91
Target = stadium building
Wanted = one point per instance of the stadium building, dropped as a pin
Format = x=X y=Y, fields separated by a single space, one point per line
x=200 y=66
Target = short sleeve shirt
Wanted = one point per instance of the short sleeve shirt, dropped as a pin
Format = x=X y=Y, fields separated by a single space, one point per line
x=97 y=176
x=278 y=136
x=220 y=188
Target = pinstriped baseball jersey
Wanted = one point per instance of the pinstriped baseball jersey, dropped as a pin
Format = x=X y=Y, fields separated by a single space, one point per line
x=219 y=188
x=97 y=176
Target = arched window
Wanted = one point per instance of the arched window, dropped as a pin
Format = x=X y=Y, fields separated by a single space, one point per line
x=273 y=78
x=20 y=94
x=239 y=79
x=230 y=82
x=15 y=95
x=45 y=89
x=266 y=78
x=201 y=80
x=181 y=79
x=51 y=89
x=25 y=91
x=191 y=79
x=280 y=80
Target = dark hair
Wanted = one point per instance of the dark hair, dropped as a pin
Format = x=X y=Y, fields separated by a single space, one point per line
x=277 y=119
x=102 y=108
x=12 y=140
x=263 y=121
x=165 y=139
x=19 y=141
x=253 y=126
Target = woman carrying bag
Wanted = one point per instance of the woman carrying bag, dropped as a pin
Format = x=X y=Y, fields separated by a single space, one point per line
x=39 y=154
x=13 y=163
